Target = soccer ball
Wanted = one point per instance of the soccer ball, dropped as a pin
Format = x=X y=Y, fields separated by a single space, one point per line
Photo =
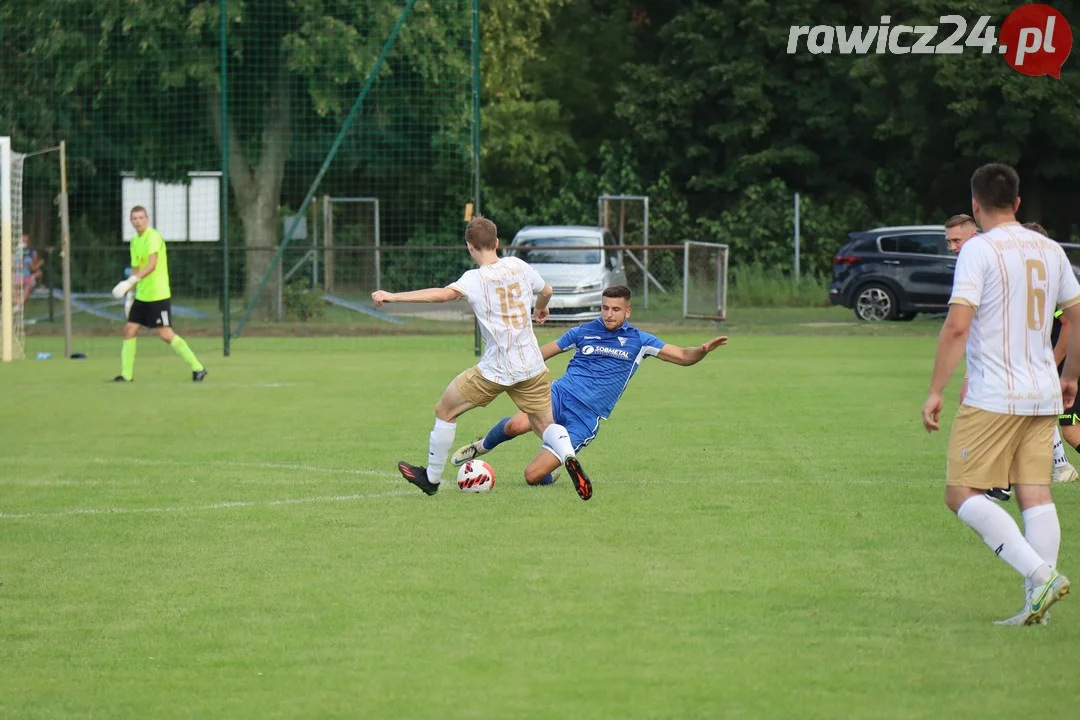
x=476 y=476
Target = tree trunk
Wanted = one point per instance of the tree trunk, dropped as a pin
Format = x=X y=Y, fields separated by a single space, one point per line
x=259 y=219
x=257 y=191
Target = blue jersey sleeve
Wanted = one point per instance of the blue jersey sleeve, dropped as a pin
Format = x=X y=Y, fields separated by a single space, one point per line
x=570 y=338
x=652 y=342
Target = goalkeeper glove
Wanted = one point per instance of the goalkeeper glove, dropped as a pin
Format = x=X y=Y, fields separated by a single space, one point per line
x=124 y=287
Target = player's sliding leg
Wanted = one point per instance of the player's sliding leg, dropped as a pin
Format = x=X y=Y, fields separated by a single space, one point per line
x=557 y=439
x=543 y=469
x=506 y=429
x=451 y=405
x=534 y=398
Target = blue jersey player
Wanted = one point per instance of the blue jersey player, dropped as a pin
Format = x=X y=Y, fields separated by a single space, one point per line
x=608 y=353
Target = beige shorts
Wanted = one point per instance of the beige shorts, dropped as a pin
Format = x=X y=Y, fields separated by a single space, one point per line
x=989 y=450
x=531 y=396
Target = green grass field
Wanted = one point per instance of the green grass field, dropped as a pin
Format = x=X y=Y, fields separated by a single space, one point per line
x=767 y=539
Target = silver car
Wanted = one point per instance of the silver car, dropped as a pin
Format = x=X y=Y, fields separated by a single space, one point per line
x=577 y=261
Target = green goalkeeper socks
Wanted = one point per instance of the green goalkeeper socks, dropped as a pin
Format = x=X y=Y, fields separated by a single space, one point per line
x=183 y=351
x=127 y=359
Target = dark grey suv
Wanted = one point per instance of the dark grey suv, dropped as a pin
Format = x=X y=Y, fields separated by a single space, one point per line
x=892 y=273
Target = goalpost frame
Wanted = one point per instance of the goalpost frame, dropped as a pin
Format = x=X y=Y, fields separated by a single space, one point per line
x=7 y=316
x=328 y=238
x=604 y=206
x=7 y=220
x=721 y=280
x=65 y=247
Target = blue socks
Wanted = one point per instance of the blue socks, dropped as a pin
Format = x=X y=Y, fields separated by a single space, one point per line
x=497 y=435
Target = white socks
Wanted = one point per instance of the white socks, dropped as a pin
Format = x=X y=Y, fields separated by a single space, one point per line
x=1043 y=532
x=439 y=443
x=1001 y=534
x=1060 y=459
x=557 y=439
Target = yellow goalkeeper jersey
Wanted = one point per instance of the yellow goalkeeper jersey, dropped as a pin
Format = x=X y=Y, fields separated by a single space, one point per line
x=154 y=286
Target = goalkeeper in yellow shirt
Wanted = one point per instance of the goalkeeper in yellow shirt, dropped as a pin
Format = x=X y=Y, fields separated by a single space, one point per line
x=152 y=304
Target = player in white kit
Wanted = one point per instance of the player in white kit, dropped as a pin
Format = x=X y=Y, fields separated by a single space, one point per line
x=1008 y=282
x=503 y=294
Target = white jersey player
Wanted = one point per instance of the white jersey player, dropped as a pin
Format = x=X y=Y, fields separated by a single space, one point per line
x=504 y=293
x=1008 y=282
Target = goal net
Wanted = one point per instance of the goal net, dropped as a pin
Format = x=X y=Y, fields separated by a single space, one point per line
x=14 y=252
x=705 y=281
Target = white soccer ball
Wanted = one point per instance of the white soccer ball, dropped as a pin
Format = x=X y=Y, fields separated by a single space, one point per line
x=476 y=476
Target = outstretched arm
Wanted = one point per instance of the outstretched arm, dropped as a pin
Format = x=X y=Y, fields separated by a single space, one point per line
x=690 y=355
x=550 y=350
x=429 y=295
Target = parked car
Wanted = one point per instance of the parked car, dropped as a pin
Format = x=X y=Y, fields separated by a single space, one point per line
x=893 y=273
x=577 y=261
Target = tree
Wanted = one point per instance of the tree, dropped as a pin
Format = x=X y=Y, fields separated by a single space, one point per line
x=937 y=117
x=721 y=106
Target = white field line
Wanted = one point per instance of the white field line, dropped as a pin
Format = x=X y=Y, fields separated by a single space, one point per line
x=285 y=384
x=223 y=505
x=198 y=508
x=296 y=467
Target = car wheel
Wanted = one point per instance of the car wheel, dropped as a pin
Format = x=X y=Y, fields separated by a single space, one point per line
x=875 y=303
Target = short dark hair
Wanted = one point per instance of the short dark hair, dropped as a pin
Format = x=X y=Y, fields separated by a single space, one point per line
x=138 y=208
x=618 y=291
x=1037 y=228
x=481 y=233
x=996 y=186
x=957 y=220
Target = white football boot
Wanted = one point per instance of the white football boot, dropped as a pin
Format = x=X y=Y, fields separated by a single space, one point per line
x=468 y=452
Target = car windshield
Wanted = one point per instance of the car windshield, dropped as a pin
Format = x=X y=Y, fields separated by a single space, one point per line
x=549 y=250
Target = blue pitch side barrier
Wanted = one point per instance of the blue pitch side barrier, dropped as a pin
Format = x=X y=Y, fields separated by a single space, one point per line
x=81 y=305
x=97 y=310
x=358 y=307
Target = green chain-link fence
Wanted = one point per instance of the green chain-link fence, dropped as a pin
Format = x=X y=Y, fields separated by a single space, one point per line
x=232 y=123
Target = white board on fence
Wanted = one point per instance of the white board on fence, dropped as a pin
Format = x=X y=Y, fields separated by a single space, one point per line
x=300 y=232
x=181 y=212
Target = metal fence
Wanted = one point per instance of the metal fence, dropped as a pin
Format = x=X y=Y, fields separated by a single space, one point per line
x=328 y=288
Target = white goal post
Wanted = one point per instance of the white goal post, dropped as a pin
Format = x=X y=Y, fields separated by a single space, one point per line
x=705 y=280
x=16 y=257
x=10 y=255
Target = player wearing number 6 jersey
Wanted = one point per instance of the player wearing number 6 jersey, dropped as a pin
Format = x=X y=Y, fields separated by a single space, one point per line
x=1007 y=284
x=503 y=293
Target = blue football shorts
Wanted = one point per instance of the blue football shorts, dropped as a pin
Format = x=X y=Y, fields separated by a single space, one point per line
x=582 y=424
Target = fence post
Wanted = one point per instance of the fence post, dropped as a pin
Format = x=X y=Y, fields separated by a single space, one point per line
x=223 y=69
x=796 y=238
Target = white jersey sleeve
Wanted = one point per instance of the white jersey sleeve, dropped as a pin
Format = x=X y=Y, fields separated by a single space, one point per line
x=970 y=277
x=535 y=281
x=1069 y=287
x=470 y=284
